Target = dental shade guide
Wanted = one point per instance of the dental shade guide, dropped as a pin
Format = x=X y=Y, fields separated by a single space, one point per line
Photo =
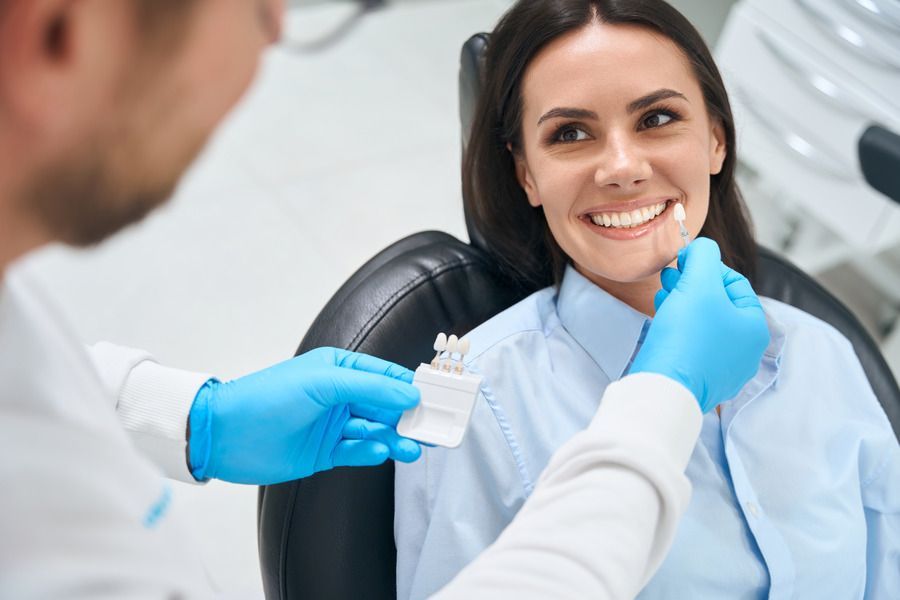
x=440 y=344
x=680 y=217
x=452 y=343
x=448 y=396
x=463 y=349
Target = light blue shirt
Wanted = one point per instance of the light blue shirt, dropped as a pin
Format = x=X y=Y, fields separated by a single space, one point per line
x=796 y=485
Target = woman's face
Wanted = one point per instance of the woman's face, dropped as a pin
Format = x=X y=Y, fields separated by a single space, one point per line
x=615 y=130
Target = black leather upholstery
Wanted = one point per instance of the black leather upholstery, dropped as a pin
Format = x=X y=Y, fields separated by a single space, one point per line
x=471 y=65
x=330 y=537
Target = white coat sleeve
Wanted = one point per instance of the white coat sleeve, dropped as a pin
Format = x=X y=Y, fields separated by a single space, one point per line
x=605 y=511
x=152 y=402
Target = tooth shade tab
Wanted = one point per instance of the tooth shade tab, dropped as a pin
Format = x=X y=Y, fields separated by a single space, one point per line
x=629 y=219
x=440 y=342
x=680 y=215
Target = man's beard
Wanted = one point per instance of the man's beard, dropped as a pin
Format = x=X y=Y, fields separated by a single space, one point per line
x=93 y=194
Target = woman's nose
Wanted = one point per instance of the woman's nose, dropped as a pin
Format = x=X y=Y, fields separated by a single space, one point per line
x=621 y=164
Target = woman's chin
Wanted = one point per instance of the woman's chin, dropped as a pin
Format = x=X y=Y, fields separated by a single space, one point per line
x=630 y=271
x=606 y=274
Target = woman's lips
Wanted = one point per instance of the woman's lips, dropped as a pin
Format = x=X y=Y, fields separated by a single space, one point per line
x=629 y=233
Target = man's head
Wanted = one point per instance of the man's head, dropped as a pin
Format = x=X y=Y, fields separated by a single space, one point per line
x=105 y=103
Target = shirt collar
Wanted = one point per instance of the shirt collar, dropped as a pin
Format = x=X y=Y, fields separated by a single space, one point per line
x=608 y=329
x=770 y=365
x=777 y=338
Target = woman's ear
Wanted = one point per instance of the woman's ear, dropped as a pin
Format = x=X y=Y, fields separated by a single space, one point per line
x=718 y=148
x=523 y=175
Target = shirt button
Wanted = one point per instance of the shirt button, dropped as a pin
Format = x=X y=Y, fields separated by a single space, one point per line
x=753 y=509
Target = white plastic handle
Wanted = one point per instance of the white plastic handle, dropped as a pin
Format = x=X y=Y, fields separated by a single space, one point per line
x=837 y=95
x=802 y=144
x=883 y=12
x=850 y=37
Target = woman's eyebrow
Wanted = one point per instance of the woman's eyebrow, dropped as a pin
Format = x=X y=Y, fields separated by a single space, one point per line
x=654 y=97
x=567 y=113
x=581 y=113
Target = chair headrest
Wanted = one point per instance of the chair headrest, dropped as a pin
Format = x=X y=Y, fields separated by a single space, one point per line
x=471 y=67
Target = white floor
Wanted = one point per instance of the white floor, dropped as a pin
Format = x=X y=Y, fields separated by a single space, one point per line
x=330 y=158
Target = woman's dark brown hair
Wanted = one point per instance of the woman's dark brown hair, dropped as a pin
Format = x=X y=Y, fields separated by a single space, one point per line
x=517 y=233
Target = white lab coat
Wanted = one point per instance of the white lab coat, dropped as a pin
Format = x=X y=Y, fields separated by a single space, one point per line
x=86 y=512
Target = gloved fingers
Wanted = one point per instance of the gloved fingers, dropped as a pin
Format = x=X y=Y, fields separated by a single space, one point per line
x=359 y=453
x=669 y=278
x=700 y=261
x=659 y=298
x=373 y=364
x=747 y=302
x=373 y=413
x=729 y=275
x=738 y=288
x=349 y=386
x=682 y=255
x=400 y=448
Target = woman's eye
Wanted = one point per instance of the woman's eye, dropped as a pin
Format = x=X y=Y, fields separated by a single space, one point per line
x=657 y=119
x=571 y=134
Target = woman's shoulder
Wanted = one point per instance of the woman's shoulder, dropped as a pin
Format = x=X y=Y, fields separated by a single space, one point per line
x=823 y=378
x=534 y=316
x=819 y=363
x=801 y=327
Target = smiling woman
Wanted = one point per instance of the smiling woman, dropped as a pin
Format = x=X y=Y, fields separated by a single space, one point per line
x=553 y=70
x=597 y=118
x=639 y=139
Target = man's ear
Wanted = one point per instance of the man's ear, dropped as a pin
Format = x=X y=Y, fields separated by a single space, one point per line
x=718 y=148
x=523 y=175
x=61 y=57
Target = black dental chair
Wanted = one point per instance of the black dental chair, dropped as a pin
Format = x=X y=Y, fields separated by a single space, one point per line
x=330 y=537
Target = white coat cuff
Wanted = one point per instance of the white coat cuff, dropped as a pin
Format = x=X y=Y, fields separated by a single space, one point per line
x=659 y=409
x=154 y=405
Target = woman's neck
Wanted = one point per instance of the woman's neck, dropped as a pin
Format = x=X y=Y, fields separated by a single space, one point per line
x=636 y=294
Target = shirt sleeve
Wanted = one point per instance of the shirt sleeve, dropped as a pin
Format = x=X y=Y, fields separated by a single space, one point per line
x=881 y=501
x=153 y=403
x=605 y=511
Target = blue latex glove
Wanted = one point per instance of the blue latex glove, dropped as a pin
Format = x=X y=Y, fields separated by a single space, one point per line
x=709 y=332
x=327 y=408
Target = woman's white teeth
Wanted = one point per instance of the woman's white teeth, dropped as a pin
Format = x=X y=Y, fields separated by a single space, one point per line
x=628 y=219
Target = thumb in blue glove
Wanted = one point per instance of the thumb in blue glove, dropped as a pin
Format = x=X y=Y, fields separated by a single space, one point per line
x=709 y=332
x=326 y=408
